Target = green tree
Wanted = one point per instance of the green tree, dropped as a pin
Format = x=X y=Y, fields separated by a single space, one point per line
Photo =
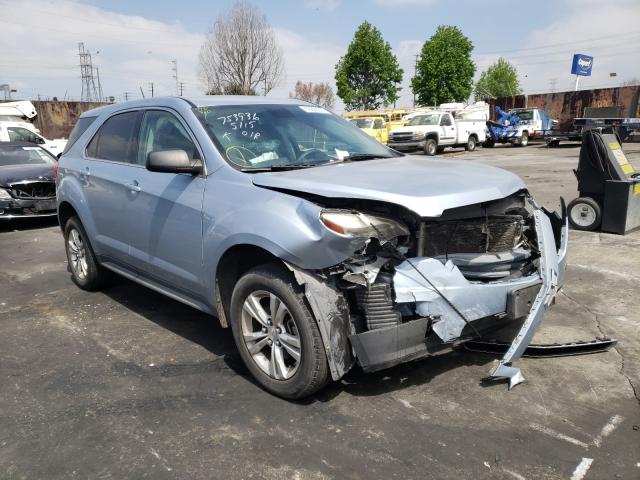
x=499 y=80
x=444 y=72
x=367 y=76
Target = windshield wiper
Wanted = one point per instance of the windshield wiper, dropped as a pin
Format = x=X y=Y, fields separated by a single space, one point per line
x=358 y=157
x=280 y=168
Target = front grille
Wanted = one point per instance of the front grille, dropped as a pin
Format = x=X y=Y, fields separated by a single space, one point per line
x=402 y=137
x=31 y=190
x=493 y=234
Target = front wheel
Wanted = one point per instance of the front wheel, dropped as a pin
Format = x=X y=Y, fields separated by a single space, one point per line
x=524 y=140
x=430 y=147
x=276 y=334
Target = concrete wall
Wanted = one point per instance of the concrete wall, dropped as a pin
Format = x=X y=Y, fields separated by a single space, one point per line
x=56 y=119
x=565 y=106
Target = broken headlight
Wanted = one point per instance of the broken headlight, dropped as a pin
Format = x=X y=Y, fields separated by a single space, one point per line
x=4 y=195
x=357 y=224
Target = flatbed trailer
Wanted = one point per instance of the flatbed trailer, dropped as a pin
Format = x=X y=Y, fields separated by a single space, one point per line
x=623 y=127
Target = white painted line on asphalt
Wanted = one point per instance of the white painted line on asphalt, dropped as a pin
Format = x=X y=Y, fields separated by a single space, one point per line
x=607 y=429
x=582 y=469
x=558 y=435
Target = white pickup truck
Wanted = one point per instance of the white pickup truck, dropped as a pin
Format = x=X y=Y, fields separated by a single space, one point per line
x=434 y=131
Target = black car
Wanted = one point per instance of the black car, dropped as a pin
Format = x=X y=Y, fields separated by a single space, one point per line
x=27 y=183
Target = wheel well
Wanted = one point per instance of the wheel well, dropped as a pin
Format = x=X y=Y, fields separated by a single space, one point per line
x=234 y=263
x=65 y=212
x=474 y=135
x=433 y=136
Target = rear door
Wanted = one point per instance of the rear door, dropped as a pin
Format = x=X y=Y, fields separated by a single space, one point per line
x=165 y=209
x=109 y=160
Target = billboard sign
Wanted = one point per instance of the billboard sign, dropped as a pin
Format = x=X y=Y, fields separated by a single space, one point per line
x=581 y=64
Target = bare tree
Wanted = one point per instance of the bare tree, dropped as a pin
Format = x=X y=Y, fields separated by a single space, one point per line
x=241 y=53
x=318 y=93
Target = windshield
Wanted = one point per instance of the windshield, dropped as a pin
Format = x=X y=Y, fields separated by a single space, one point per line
x=264 y=136
x=363 y=122
x=424 y=120
x=14 y=155
x=524 y=115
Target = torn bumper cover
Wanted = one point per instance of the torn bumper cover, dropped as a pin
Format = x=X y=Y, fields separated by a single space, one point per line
x=439 y=302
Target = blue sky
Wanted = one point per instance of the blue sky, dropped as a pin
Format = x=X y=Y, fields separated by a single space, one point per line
x=133 y=42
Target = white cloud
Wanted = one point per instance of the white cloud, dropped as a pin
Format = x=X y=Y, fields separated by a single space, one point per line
x=306 y=60
x=609 y=34
x=404 y=3
x=40 y=50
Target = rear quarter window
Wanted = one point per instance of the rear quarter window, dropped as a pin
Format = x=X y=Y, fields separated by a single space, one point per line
x=80 y=127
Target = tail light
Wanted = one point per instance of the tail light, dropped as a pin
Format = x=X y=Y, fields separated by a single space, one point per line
x=55 y=170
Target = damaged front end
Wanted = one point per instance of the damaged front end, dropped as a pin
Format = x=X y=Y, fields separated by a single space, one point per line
x=419 y=286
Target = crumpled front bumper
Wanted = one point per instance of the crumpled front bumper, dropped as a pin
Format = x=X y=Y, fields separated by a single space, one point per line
x=20 y=208
x=501 y=301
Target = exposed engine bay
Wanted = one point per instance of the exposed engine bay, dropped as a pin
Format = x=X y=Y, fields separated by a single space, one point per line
x=422 y=285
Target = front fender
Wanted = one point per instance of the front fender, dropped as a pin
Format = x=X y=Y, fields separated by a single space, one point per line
x=286 y=226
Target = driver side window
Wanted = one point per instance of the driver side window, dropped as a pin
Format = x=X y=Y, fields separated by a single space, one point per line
x=445 y=121
x=161 y=130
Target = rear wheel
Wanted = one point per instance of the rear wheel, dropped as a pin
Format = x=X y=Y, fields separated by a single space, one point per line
x=276 y=334
x=86 y=273
x=430 y=147
x=489 y=143
x=584 y=214
x=471 y=144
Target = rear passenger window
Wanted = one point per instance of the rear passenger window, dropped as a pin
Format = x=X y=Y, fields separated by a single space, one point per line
x=80 y=127
x=116 y=139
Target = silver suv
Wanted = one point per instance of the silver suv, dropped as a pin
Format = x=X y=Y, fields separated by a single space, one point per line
x=318 y=246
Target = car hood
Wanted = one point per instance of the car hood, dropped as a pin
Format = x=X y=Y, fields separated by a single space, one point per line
x=426 y=185
x=19 y=173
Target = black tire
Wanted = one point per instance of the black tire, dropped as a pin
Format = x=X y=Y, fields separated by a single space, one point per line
x=584 y=214
x=489 y=143
x=523 y=141
x=554 y=144
x=471 y=144
x=440 y=149
x=312 y=372
x=430 y=147
x=95 y=276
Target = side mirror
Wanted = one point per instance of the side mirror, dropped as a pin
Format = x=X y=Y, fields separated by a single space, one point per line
x=173 y=161
x=40 y=141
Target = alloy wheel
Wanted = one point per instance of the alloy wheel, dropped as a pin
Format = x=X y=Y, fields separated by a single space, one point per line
x=271 y=335
x=77 y=254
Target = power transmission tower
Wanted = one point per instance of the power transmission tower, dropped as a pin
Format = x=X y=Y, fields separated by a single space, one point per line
x=175 y=74
x=126 y=96
x=89 y=91
x=181 y=88
x=151 y=88
x=100 y=96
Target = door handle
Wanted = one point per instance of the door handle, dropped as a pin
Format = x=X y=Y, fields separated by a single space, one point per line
x=134 y=187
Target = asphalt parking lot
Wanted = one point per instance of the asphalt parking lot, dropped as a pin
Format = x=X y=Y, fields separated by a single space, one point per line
x=126 y=383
